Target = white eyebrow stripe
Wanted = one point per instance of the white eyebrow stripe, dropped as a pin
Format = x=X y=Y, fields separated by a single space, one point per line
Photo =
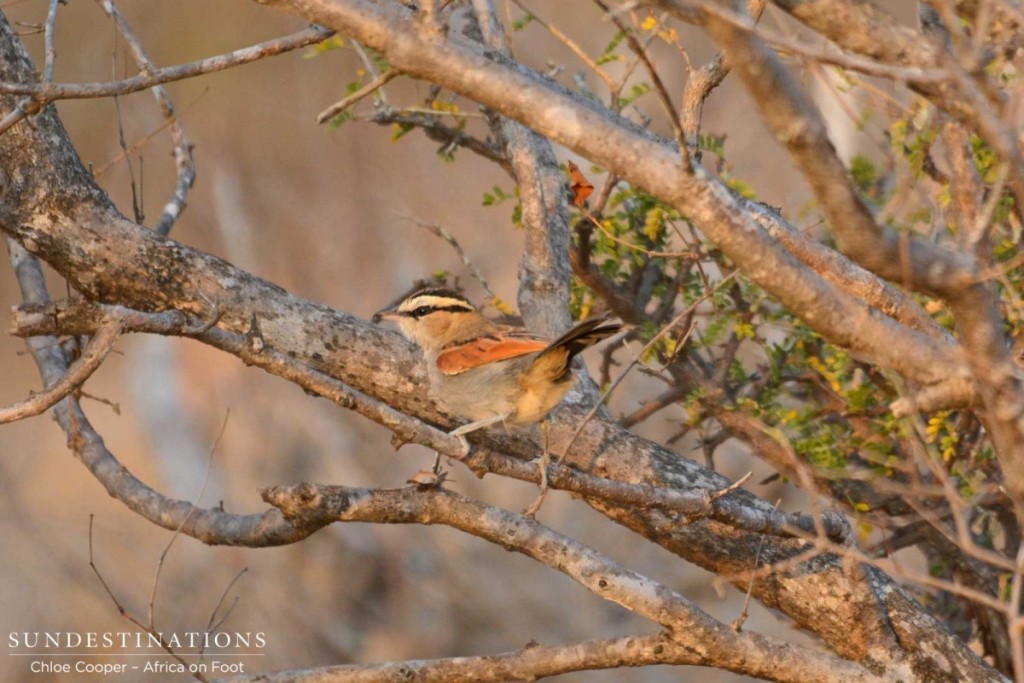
x=432 y=301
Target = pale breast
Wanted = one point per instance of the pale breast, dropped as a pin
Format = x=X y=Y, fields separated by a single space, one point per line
x=481 y=392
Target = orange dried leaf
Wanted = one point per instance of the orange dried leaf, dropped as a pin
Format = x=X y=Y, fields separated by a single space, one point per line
x=425 y=480
x=581 y=187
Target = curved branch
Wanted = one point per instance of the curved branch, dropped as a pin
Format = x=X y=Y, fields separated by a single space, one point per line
x=208 y=525
x=751 y=654
x=92 y=357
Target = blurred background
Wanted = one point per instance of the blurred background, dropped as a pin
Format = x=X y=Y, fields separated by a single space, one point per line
x=323 y=213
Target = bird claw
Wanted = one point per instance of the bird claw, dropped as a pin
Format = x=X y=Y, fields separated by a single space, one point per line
x=460 y=432
x=465 y=447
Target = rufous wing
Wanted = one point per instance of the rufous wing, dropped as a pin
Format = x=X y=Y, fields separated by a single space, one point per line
x=485 y=350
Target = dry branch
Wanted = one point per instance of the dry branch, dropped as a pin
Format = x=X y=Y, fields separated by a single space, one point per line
x=92 y=357
x=51 y=92
x=690 y=627
x=543 y=269
x=530 y=663
x=184 y=164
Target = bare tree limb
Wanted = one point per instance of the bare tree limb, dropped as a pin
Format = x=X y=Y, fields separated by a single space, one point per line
x=50 y=50
x=761 y=656
x=870 y=65
x=210 y=525
x=79 y=371
x=797 y=124
x=867 y=29
x=835 y=268
x=51 y=92
x=530 y=663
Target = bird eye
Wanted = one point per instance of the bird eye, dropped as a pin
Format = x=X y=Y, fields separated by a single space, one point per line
x=421 y=311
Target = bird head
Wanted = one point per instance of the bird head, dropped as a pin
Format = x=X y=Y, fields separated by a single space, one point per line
x=432 y=317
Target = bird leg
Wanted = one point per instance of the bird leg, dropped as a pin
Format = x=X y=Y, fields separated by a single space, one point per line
x=545 y=460
x=461 y=432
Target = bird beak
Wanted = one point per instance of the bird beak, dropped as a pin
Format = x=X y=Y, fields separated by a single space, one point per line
x=384 y=314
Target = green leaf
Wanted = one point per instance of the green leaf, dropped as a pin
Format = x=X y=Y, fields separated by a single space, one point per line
x=335 y=42
x=610 y=54
x=522 y=22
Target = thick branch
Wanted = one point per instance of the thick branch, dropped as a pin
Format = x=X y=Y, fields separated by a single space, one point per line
x=80 y=318
x=544 y=266
x=793 y=117
x=851 y=277
x=867 y=29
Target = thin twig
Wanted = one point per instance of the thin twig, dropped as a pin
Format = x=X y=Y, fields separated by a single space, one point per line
x=211 y=625
x=130 y=617
x=51 y=53
x=649 y=252
x=737 y=624
x=141 y=142
x=51 y=92
x=569 y=43
x=440 y=231
x=183 y=161
x=368 y=89
x=659 y=86
x=177 y=532
x=137 y=212
x=535 y=506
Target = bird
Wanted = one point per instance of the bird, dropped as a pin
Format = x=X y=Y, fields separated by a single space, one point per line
x=486 y=372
